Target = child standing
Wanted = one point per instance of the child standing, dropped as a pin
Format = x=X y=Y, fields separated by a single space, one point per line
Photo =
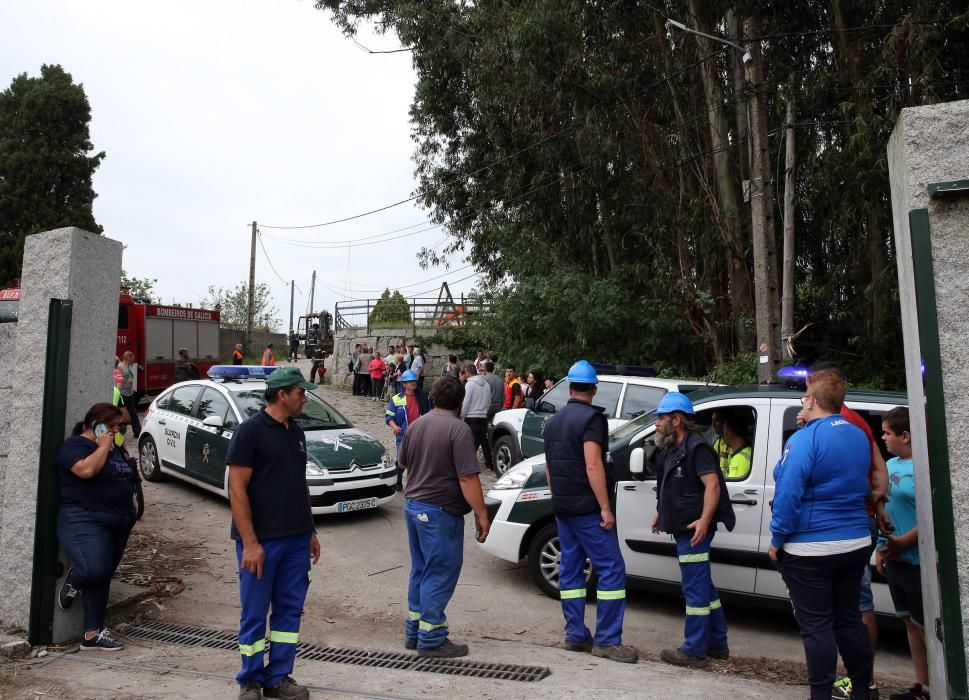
x=898 y=554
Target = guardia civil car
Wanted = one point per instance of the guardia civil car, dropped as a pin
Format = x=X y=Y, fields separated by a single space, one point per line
x=523 y=525
x=186 y=433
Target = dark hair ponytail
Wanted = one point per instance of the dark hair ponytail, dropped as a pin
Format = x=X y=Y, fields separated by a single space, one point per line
x=78 y=428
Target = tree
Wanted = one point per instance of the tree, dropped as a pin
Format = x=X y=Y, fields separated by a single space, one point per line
x=46 y=161
x=234 y=306
x=391 y=310
x=140 y=287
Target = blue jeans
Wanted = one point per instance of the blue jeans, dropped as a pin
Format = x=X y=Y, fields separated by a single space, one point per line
x=706 y=625
x=95 y=541
x=581 y=536
x=285 y=580
x=436 y=541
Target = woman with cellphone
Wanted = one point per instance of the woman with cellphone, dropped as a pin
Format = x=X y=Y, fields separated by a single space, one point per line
x=98 y=488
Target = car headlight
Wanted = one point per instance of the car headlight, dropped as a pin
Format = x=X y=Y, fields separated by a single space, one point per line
x=387 y=462
x=314 y=469
x=514 y=479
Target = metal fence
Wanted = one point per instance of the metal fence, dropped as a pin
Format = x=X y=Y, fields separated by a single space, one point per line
x=358 y=314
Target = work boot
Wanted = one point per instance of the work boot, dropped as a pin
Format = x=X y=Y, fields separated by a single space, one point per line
x=616 y=652
x=410 y=643
x=250 y=691
x=577 y=646
x=678 y=657
x=448 y=650
x=720 y=653
x=287 y=689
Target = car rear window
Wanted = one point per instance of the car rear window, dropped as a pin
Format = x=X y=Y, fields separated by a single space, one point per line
x=317 y=414
x=607 y=396
x=640 y=400
x=182 y=399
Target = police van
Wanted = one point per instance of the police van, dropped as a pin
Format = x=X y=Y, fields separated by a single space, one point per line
x=523 y=526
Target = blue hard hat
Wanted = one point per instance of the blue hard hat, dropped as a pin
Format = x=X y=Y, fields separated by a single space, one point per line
x=582 y=373
x=409 y=376
x=674 y=401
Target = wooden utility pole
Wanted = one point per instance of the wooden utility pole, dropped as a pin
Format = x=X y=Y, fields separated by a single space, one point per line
x=766 y=294
x=251 y=310
x=292 y=286
x=787 y=285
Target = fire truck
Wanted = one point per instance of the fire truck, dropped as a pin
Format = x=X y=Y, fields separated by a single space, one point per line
x=154 y=333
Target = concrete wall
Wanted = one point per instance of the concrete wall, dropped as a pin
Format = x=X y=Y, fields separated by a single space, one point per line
x=84 y=267
x=930 y=145
x=380 y=339
x=8 y=333
x=228 y=337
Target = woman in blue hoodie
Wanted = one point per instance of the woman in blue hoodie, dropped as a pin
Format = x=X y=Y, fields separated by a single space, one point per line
x=820 y=537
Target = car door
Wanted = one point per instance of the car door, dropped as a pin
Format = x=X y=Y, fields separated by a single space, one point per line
x=206 y=445
x=174 y=424
x=734 y=555
x=533 y=426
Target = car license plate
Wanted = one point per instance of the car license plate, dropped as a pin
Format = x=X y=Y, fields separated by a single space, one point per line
x=361 y=504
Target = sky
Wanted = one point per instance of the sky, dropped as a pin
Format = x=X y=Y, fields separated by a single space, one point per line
x=217 y=113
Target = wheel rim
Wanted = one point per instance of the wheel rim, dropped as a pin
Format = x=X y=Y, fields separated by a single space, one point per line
x=550 y=560
x=503 y=459
x=149 y=459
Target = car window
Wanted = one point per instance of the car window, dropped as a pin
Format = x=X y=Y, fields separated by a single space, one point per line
x=730 y=430
x=607 y=397
x=182 y=399
x=640 y=400
x=212 y=403
x=317 y=414
x=163 y=400
x=556 y=397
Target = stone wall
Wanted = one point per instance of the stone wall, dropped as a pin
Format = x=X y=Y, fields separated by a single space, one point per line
x=380 y=339
x=8 y=332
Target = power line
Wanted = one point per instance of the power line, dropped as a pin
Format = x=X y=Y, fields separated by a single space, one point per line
x=353 y=240
x=364 y=48
x=349 y=244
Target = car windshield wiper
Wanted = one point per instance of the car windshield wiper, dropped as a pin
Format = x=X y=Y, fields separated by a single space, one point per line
x=313 y=424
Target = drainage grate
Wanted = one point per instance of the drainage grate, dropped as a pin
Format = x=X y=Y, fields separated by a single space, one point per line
x=213 y=639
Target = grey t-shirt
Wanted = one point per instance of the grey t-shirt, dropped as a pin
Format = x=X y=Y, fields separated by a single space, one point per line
x=437 y=450
x=497 y=386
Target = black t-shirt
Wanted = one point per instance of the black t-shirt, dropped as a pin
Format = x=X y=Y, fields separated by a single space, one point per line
x=111 y=490
x=277 y=491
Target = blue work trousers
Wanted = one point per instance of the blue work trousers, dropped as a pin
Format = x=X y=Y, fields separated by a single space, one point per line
x=285 y=579
x=706 y=625
x=581 y=537
x=436 y=541
x=95 y=541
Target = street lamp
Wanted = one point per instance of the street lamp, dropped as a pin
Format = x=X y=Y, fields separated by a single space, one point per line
x=671 y=23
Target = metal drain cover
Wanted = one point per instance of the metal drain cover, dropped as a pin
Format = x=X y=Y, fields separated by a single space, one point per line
x=183 y=635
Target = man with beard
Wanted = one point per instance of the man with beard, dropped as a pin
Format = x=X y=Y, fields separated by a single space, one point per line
x=691 y=498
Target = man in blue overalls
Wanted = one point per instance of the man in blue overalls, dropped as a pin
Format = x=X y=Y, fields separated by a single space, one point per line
x=402 y=410
x=576 y=438
x=692 y=498
x=272 y=525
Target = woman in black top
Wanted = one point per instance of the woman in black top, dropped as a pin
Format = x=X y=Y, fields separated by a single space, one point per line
x=98 y=486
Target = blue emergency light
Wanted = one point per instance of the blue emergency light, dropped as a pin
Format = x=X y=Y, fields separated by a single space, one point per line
x=793 y=376
x=240 y=371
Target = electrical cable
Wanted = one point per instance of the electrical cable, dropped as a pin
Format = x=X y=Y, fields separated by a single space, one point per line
x=271 y=266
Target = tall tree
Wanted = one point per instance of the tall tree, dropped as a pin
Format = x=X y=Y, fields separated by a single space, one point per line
x=46 y=161
x=233 y=303
x=140 y=287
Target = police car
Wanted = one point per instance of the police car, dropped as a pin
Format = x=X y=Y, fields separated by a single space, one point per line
x=523 y=526
x=186 y=433
x=623 y=391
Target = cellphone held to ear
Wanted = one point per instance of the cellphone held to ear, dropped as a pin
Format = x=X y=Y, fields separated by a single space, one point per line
x=99 y=430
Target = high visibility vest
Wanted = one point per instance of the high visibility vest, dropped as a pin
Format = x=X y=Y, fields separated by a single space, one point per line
x=236 y=357
x=739 y=465
x=267 y=359
x=508 y=392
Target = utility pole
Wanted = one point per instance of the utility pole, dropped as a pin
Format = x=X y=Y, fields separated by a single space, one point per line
x=787 y=285
x=312 y=290
x=251 y=311
x=762 y=218
x=292 y=286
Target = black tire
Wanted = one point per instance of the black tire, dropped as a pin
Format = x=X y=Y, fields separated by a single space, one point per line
x=505 y=454
x=148 y=460
x=544 y=556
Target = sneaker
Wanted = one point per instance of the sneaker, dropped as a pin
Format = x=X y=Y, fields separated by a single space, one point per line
x=250 y=691
x=103 y=641
x=678 y=657
x=916 y=692
x=448 y=650
x=841 y=689
x=68 y=593
x=577 y=646
x=287 y=689
x=616 y=652
x=722 y=654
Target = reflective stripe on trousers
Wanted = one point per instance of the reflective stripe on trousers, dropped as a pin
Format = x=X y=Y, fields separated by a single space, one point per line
x=706 y=625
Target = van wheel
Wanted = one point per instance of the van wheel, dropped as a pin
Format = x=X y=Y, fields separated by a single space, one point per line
x=544 y=559
x=148 y=460
x=505 y=454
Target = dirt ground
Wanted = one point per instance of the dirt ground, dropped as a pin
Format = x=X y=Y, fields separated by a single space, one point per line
x=181 y=551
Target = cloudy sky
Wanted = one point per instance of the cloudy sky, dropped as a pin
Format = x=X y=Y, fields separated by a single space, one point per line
x=216 y=113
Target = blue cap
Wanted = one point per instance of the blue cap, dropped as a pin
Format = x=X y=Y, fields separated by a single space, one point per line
x=582 y=373
x=409 y=376
x=673 y=402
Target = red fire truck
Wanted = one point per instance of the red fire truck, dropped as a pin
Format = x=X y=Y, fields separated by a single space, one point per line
x=154 y=333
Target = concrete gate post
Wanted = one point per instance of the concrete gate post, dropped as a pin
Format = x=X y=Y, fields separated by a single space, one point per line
x=928 y=160
x=66 y=263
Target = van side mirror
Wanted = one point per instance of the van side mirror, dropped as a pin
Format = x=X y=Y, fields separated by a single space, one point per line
x=637 y=459
x=213 y=422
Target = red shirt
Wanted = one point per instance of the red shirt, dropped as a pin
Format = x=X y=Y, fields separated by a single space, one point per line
x=413 y=409
x=859 y=422
x=377 y=368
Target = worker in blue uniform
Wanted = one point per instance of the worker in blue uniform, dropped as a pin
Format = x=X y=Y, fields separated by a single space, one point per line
x=691 y=499
x=576 y=439
x=402 y=410
x=272 y=524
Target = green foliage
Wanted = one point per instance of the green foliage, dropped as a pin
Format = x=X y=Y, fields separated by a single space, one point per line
x=234 y=306
x=390 y=311
x=46 y=161
x=140 y=287
x=741 y=369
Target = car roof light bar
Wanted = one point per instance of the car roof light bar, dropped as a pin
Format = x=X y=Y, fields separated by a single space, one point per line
x=227 y=372
x=793 y=376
